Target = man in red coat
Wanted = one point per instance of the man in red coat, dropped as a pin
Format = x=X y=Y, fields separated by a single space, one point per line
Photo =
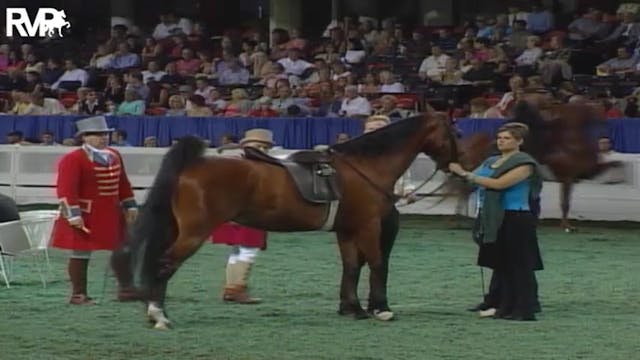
x=96 y=202
x=246 y=241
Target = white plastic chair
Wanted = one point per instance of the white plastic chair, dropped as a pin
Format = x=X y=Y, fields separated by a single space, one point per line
x=13 y=241
x=38 y=225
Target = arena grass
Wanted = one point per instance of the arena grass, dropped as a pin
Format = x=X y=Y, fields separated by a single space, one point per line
x=590 y=291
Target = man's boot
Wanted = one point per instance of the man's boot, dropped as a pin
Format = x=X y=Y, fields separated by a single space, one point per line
x=121 y=265
x=78 y=276
x=236 y=288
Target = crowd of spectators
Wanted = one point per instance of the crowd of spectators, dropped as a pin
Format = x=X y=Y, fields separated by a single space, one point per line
x=356 y=68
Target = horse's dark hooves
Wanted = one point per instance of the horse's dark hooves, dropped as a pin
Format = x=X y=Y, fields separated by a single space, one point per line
x=355 y=310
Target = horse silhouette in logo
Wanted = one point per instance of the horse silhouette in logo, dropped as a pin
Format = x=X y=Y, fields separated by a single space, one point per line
x=57 y=23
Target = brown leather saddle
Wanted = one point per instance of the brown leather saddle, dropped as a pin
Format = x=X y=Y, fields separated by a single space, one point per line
x=312 y=172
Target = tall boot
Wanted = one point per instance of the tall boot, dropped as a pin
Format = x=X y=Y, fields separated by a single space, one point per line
x=121 y=265
x=78 y=275
x=236 y=288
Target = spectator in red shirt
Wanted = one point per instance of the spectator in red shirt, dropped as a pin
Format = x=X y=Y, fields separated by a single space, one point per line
x=188 y=65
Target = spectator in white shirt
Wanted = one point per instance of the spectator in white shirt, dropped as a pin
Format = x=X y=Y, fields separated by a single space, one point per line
x=354 y=105
x=102 y=58
x=293 y=64
x=433 y=65
x=153 y=72
x=169 y=25
x=389 y=84
x=532 y=54
x=204 y=89
x=72 y=74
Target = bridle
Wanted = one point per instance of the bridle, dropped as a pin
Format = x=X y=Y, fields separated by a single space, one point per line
x=453 y=146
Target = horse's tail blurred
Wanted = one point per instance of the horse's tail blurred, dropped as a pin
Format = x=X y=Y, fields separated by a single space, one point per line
x=155 y=229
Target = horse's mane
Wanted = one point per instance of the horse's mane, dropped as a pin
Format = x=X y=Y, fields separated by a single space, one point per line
x=383 y=140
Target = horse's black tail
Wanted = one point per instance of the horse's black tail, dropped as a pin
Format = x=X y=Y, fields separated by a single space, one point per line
x=155 y=228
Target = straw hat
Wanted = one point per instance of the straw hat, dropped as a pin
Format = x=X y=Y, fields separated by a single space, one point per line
x=95 y=124
x=263 y=136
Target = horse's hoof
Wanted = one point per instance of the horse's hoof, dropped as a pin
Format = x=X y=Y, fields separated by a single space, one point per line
x=383 y=315
x=161 y=326
x=360 y=315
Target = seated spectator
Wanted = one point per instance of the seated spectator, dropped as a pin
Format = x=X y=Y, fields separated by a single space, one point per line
x=554 y=63
x=72 y=74
x=611 y=111
x=369 y=85
x=539 y=20
x=322 y=80
x=102 y=58
x=123 y=58
x=478 y=108
x=153 y=72
x=33 y=63
x=198 y=107
x=623 y=63
x=134 y=82
x=119 y=138
x=16 y=138
x=188 y=65
x=92 y=105
x=264 y=109
x=177 y=106
x=589 y=26
x=517 y=41
x=479 y=74
x=293 y=64
x=296 y=41
x=389 y=84
x=150 y=141
x=261 y=65
x=16 y=80
x=151 y=51
x=354 y=105
x=329 y=55
x=276 y=74
x=355 y=54
x=217 y=103
x=451 y=74
x=481 y=49
x=239 y=105
x=248 y=53
x=434 y=64
x=47 y=138
x=39 y=105
x=389 y=107
x=171 y=77
x=234 y=74
x=20 y=101
x=81 y=94
x=626 y=34
x=132 y=104
x=532 y=54
x=170 y=25
x=52 y=72
x=284 y=101
x=114 y=90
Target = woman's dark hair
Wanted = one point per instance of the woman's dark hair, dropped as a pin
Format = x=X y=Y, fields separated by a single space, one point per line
x=197 y=100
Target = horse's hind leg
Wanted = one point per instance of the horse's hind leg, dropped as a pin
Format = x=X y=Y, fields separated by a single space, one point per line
x=352 y=262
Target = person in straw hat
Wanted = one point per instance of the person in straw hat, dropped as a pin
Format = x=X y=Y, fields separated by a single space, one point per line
x=96 y=202
x=245 y=241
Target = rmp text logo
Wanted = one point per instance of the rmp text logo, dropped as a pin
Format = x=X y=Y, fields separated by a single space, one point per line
x=48 y=21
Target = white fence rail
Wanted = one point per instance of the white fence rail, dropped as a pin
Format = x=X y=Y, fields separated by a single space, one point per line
x=28 y=174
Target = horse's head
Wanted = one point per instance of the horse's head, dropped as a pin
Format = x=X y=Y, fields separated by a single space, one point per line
x=440 y=142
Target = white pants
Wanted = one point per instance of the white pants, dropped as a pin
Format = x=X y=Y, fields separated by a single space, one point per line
x=243 y=254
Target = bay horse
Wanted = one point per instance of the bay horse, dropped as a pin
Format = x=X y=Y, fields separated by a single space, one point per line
x=560 y=137
x=192 y=194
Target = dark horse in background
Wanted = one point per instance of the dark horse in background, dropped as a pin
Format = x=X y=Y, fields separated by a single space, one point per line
x=193 y=194
x=561 y=136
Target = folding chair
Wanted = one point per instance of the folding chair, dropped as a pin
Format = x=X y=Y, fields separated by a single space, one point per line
x=13 y=241
x=38 y=225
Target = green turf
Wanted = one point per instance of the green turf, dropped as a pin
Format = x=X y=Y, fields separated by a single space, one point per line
x=590 y=291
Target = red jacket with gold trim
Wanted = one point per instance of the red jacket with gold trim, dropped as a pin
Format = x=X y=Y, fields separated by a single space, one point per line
x=98 y=190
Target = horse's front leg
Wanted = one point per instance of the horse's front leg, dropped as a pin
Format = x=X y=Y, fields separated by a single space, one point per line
x=352 y=262
x=379 y=307
x=565 y=204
